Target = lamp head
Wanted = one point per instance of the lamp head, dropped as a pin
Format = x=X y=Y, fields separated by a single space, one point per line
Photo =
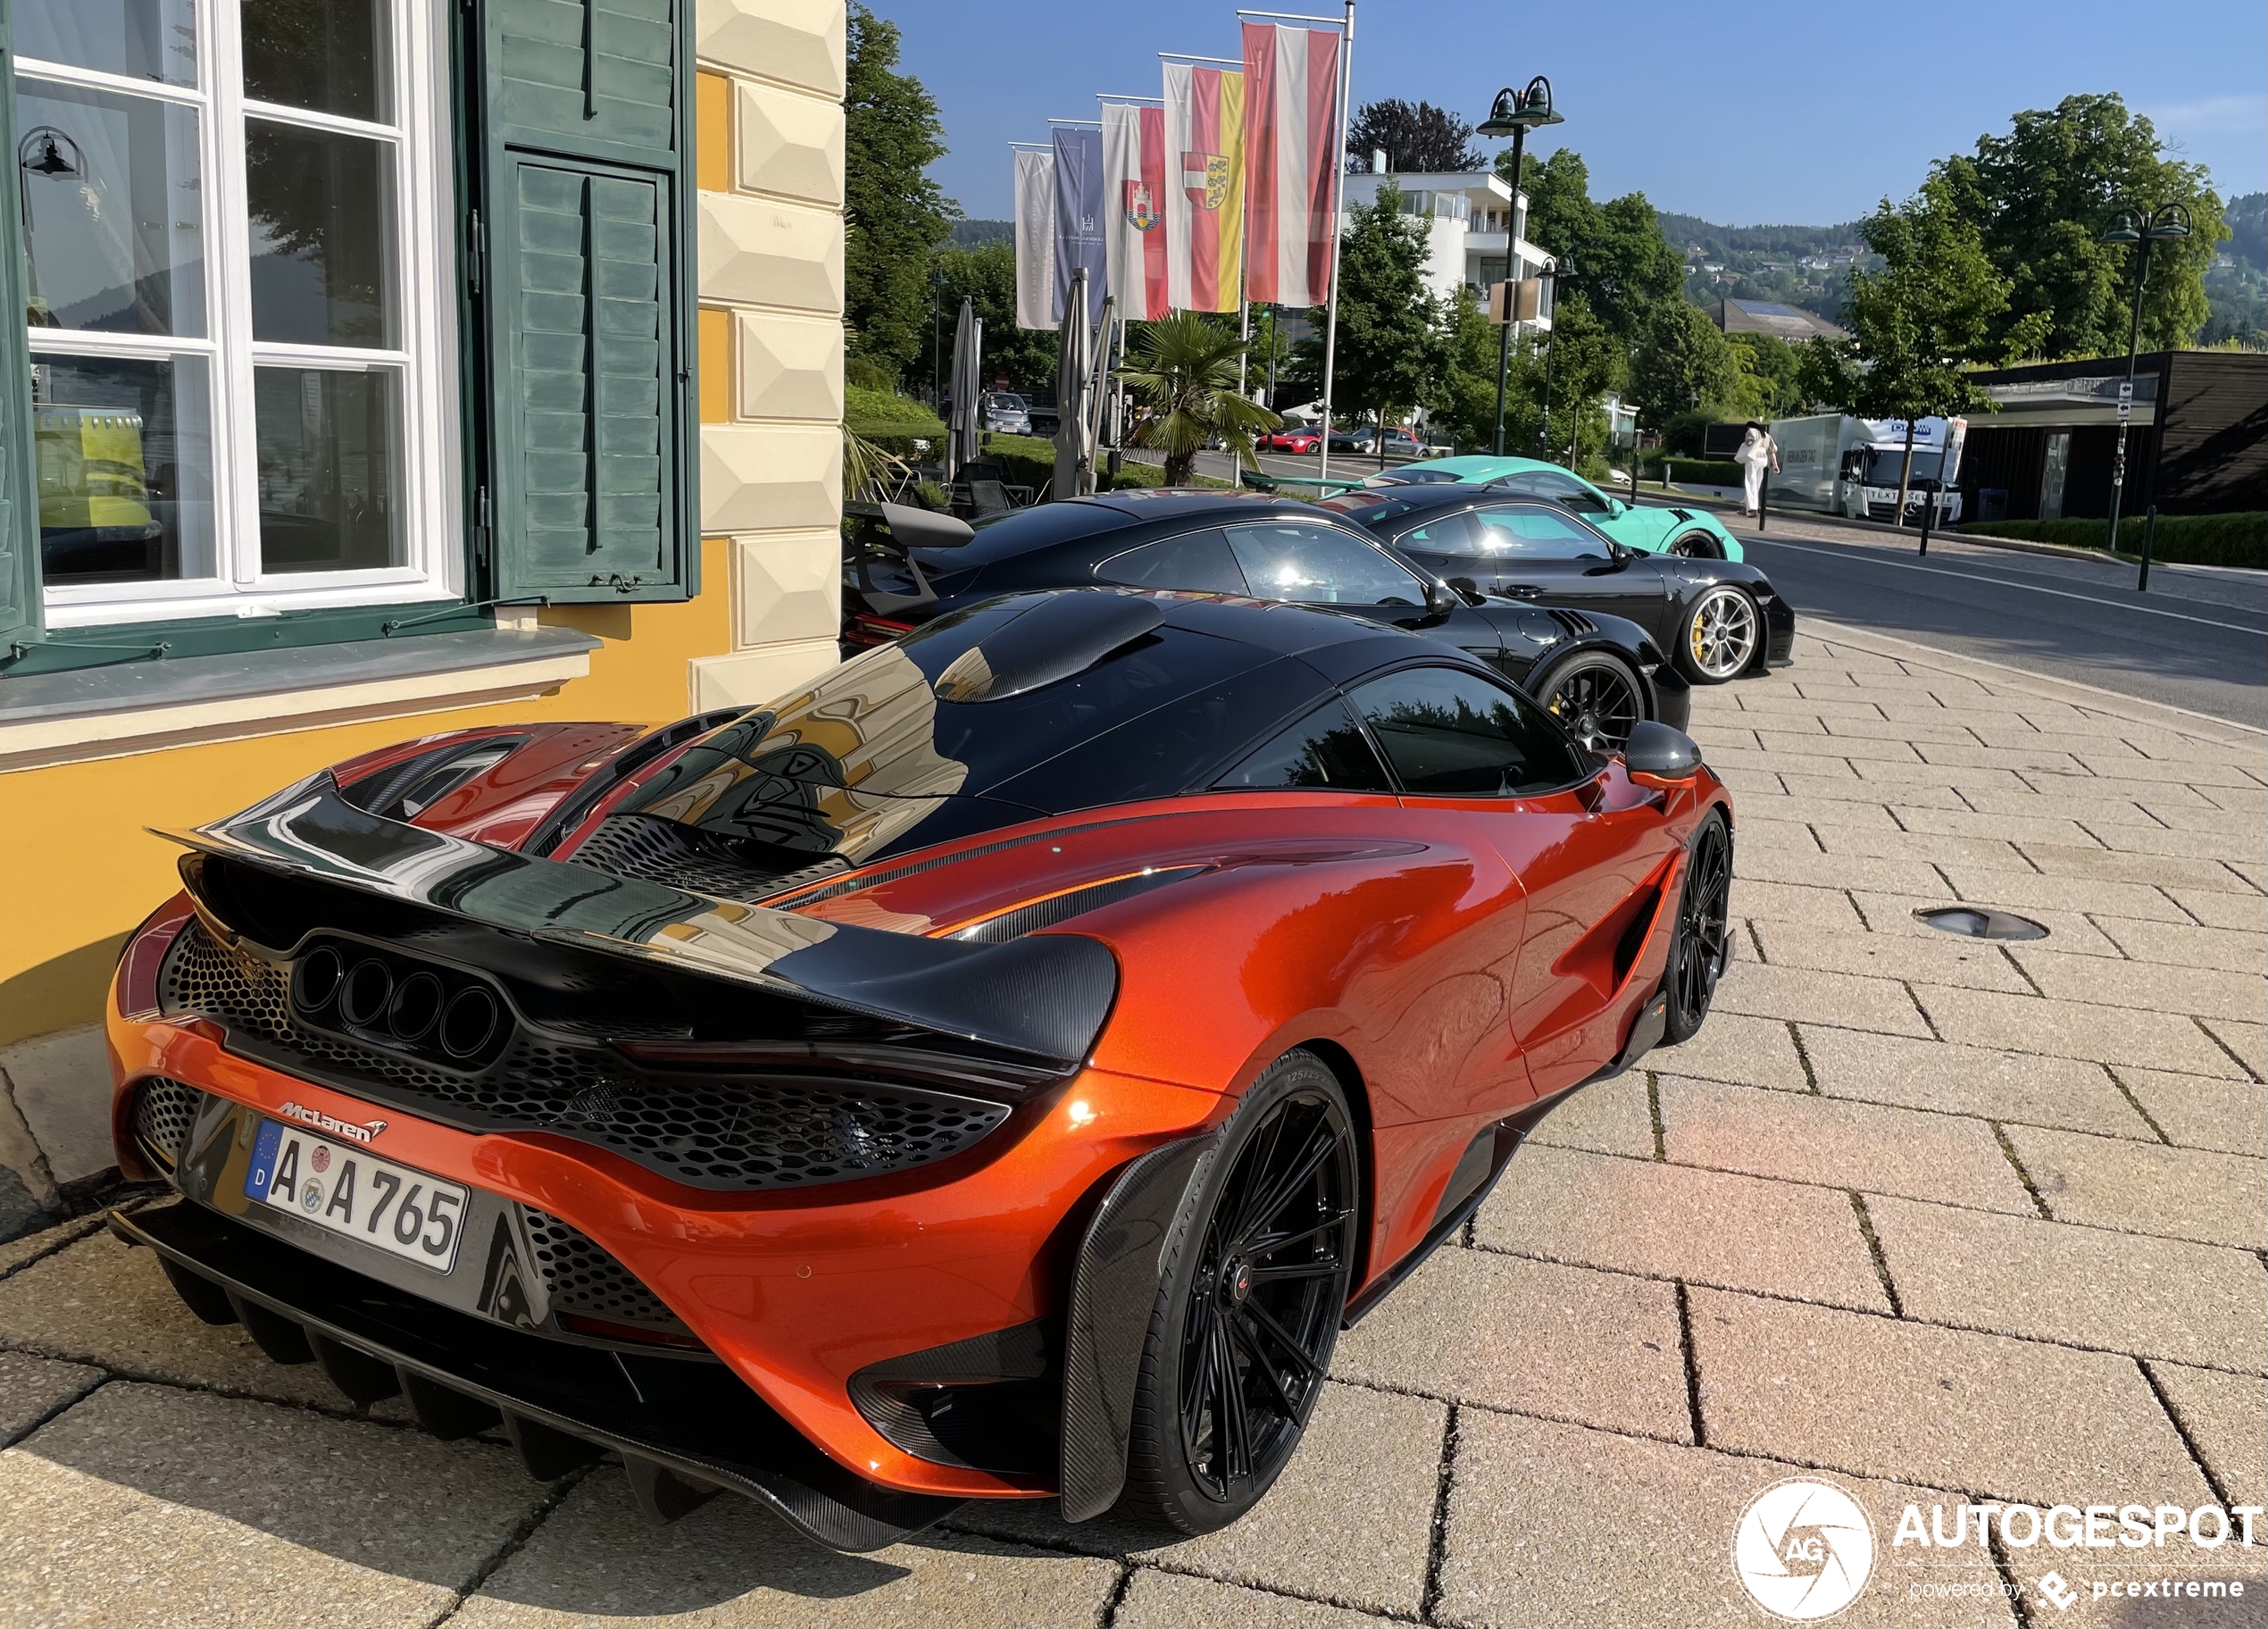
x=1514 y=111
x=41 y=153
x=2169 y=225
x=2122 y=229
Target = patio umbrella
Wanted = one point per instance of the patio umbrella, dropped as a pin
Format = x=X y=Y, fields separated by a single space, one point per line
x=964 y=436
x=1074 y=381
x=1099 y=407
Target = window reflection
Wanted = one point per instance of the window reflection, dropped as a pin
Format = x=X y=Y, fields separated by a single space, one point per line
x=1326 y=751
x=331 y=55
x=124 y=456
x=112 y=211
x=323 y=236
x=1451 y=733
x=138 y=39
x=330 y=471
x=1313 y=565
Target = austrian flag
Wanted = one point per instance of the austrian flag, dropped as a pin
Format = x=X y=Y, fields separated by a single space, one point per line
x=1205 y=128
x=1291 y=131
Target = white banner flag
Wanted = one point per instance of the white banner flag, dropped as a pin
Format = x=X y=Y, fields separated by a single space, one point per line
x=1035 y=302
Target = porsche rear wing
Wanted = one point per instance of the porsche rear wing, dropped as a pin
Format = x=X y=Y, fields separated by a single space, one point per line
x=1043 y=997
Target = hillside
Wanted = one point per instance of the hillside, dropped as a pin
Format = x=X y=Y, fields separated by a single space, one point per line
x=1798 y=265
x=2238 y=283
x=973 y=234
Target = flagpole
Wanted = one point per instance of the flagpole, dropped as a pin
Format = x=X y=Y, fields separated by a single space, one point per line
x=1337 y=210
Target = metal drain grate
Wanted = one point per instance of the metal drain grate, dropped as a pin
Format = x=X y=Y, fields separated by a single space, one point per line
x=1979 y=921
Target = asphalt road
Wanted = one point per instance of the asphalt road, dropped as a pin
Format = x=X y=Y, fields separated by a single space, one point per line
x=2198 y=639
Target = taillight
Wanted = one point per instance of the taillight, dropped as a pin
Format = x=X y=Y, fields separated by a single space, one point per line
x=145 y=954
x=876 y=630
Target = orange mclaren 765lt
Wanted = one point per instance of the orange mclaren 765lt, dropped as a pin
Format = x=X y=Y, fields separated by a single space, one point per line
x=998 y=1071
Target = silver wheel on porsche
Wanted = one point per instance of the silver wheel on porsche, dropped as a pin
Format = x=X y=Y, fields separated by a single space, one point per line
x=1720 y=635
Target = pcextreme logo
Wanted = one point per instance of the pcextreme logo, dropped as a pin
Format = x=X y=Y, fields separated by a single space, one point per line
x=1804 y=1550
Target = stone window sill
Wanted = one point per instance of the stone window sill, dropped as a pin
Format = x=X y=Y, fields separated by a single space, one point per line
x=146 y=707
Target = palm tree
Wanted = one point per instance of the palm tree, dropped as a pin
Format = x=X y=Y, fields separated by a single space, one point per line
x=1183 y=368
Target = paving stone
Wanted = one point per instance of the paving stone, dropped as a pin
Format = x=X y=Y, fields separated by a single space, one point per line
x=1938 y=959
x=1893 y=913
x=1971 y=754
x=2142 y=1188
x=1874 y=789
x=1733 y=1047
x=1866 y=843
x=1819 y=907
x=2155 y=790
x=2018 y=891
x=2200 y=844
x=2041 y=825
x=2073 y=1029
x=1472 y=1326
x=1948 y=1408
x=2104 y=982
x=31 y=1247
x=1842 y=999
x=1612 y=1117
x=1942 y=728
x=1956 y=1080
x=2203 y=874
x=1158 y=1599
x=1826 y=811
x=1555 y=1524
x=1842 y=1144
x=2247 y=1042
x=29 y=1387
x=2226 y=1416
x=2246 y=913
x=101 y=1303
x=2197 y=1113
x=732 y=1564
x=62 y=1083
x=1350 y=1520
x=1815 y=869
x=1708 y=1227
x=2184 y=945
x=1797 y=745
x=2085 y=1286
x=159 y=1506
x=1918 y=777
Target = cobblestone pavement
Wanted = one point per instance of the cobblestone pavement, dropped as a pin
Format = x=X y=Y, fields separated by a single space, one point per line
x=1945 y=1221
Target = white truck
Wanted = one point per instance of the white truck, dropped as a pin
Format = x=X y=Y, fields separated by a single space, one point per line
x=1842 y=466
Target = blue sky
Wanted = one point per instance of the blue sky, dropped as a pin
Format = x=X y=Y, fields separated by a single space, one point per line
x=1743 y=115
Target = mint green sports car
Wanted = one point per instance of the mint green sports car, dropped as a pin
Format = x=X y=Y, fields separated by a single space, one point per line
x=1654 y=528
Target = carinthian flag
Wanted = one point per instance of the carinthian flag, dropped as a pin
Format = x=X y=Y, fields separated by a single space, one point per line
x=1078 y=217
x=1291 y=143
x=1134 y=206
x=1204 y=187
x=1035 y=305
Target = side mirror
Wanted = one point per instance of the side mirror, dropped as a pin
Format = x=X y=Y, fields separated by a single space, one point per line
x=1441 y=598
x=1656 y=754
x=1615 y=506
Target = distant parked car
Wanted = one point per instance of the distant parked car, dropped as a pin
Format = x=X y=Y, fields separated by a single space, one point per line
x=1006 y=412
x=1290 y=438
x=1654 y=528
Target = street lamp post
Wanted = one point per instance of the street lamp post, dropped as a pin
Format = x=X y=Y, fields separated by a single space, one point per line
x=1514 y=114
x=1562 y=271
x=2170 y=225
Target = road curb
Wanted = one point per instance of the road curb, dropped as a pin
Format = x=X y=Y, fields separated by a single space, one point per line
x=2003 y=676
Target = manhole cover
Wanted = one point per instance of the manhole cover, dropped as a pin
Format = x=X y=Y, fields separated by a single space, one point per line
x=1977 y=921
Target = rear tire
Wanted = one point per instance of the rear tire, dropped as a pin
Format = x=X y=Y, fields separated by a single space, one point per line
x=1701 y=941
x=1248 y=1309
x=1720 y=635
x=1597 y=696
x=1697 y=546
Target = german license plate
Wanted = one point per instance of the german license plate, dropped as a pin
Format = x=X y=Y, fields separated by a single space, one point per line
x=348 y=1191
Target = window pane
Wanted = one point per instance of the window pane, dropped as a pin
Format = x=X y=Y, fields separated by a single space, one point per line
x=1533 y=533
x=1454 y=734
x=1575 y=494
x=1324 y=751
x=329 y=475
x=323 y=236
x=141 y=39
x=1452 y=534
x=328 y=54
x=125 y=466
x=1200 y=561
x=1313 y=565
x=113 y=210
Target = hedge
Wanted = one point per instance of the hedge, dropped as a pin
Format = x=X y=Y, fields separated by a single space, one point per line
x=1031 y=463
x=2181 y=540
x=1704 y=472
x=884 y=417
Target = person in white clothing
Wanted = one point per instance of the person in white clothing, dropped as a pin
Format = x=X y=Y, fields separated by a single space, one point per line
x=1758 y=453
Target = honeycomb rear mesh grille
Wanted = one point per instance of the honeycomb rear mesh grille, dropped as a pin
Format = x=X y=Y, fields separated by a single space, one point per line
x=651 y=849
x=163 y=1112
x=706 y=1131
x=583 y=1278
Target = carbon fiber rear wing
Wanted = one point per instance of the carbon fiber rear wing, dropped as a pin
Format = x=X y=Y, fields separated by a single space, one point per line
x=1044 y=996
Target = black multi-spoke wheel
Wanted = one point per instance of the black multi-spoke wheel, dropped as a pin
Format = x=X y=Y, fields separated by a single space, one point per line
x=1698 y=546
x=1597 y=697
x=1249 y=1311
x=1701 y=943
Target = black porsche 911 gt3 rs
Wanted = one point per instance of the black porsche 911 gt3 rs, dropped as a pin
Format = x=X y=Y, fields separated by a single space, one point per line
x=1600 y=673
x=1718 y=618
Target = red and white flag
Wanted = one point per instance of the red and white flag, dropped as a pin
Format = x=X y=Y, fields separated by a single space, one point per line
x=1291 y=149
x=1204 y=187
x=1134 y=207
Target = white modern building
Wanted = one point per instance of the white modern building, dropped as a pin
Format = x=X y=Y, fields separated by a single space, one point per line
x=1477 y=226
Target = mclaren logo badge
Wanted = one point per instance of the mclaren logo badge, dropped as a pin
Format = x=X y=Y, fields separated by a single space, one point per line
x=321 y=1122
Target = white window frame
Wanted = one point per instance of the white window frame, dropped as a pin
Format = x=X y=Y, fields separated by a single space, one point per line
x=425 y=275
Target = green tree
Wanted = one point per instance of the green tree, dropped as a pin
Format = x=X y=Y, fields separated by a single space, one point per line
x=1390 y=343
x=1931 y=309
x=1183 y=370
x=1462 y=405
x=1626 y=265
x=987 y=275
x=2039 y=198
x=1683 y=365
x=1418 y=139
x=895 y=216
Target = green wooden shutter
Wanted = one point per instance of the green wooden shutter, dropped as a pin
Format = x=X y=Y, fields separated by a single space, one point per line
x=587 y=299
x=19 y=496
